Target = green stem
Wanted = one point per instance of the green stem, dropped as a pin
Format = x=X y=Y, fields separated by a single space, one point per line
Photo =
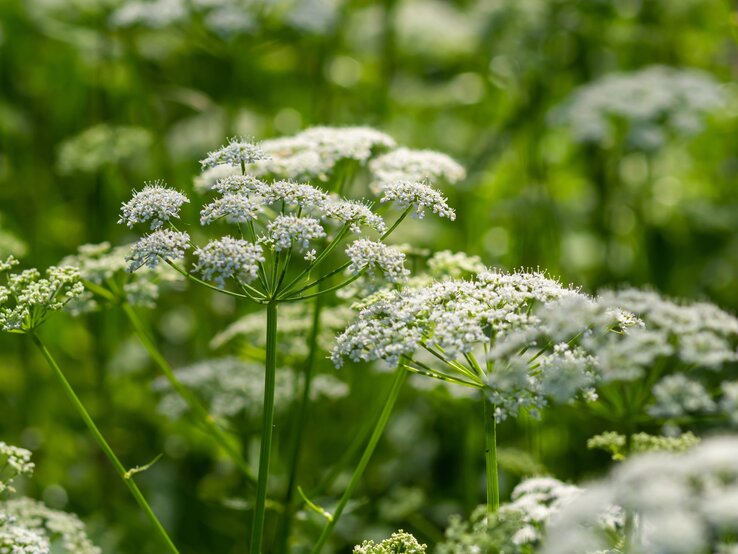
x=400 y=376
x=196 y=408
x=283 y=533
x=490 y=458
x=257 y=530
x=119 y=468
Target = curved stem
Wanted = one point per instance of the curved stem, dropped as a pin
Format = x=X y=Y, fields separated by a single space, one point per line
x=196 y=407
x=212 y=287
x=490 y=459
x=283 y=533
x=257 y=529
x=119 y=468
x=389 y=404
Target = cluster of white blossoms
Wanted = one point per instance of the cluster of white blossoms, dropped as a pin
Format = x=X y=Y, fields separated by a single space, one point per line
x=481 y=333
x=651 y=102
x=228 y=258
x=680 y=504
x=315 y=152
x=398 y=542
x=30 y=527
x=155 y=203
x=275 y=217
x=104 y=266
x=404 y=164
x=14 y=462
x=103 y=146
x=376 y=258
x=419 y=196
x=517 y=527
x=231 y=387
x=617 y=444
x=27 y=298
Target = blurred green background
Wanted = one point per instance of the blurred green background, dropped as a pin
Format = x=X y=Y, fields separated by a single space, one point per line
x=600 y=139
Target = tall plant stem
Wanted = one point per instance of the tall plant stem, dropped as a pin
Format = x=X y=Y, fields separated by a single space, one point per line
x=389 y=404
x=119 y=468
x=298 y=425
x=490 y=458
x=196 y=407
x=257 y=529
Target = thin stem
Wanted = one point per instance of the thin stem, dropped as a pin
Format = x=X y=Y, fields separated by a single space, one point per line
x=212 y=287
x=257 y=530
x=389 y=404
x=197 y=409
x=324 y=291
x=490 y=458
x=283 y=533
x=119 y=468
x=388 y=232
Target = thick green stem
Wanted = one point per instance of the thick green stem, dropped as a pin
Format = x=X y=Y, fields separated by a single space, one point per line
x=257 y=529
x=400 y=376
x=196 y=408
x=119 y=467
x=298 y=424
x=490 y=458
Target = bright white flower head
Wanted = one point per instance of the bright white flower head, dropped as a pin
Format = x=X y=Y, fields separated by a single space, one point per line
x=398 y=542
x=229 y=258
x=678 y=395
x=404 y=164
x=163 y=244
x=286 y=231
x=356 y=214
x=155 y=203
x=207 y=180
x=237 y=152
x=234 y=207
x=14 y=462
x=418 y=195
x=377 y=258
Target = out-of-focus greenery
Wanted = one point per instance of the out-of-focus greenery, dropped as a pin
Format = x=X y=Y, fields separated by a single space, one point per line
x=600 y=139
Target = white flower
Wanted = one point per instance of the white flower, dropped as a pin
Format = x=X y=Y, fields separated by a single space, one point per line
x=404 y=164
x=228 y=258
x=418 y=195
x=677 y=395
x=155 y=203
x=303 y=196
x=237 y=152
x=354 y=213
x=162 y=244
x=14 y=462
x=398 y=542
x=286 y=231
x=207 y=180
x=234 y=207
x=376 y=257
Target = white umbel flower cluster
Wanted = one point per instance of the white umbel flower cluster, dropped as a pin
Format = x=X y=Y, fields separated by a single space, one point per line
x=398 y=542
x=376 y=258
x=286 y=231
x=419 y=196
x=233 y=207
x=680 y=504
x=163 y=244
x=356 y=214
x=155 y=203
x=404 y=164
x=238 y=153
x=28 y=298
x=14 y=462
x=229 y=258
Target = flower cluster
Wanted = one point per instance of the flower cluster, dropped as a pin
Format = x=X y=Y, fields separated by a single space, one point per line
x=651 y=102
x=237 y=153
x=228 y=258
x=155 y=203
x=163 y=244
x=231 y=386
x=404 y=164
x=375 y=257
x=399 y=542
x=27 y=299
x=14 y=462
x=678 y=503
x=101 y=146
x=616 y=444
x=419 y=196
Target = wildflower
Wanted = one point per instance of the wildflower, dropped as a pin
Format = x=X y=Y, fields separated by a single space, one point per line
x=418 y=196
x=237 y=152
x=677 y=395
x=454 y=265
x=406 y=165
x=237 y=183
x=286 y=231
x=228 y=258
x=305 y=197
x=155 y=203
x=9 y=263
x=615 y=443
x=233 y=207
x=356 y=214
x=14 y=462
x=163 y=244
x=398 y=542
x=373 y=257
x=207 y=180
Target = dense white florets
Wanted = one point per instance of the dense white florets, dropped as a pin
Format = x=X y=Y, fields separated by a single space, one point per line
x=356 y=214
x=286 y=231
x=398 y=542
x=228 y=258
x=418 y=195
x=14 y=462
x=377 y=258
x=233 y=207
x=155 y=203
x=163 y=244
x=237 y=152
x=404 y=164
